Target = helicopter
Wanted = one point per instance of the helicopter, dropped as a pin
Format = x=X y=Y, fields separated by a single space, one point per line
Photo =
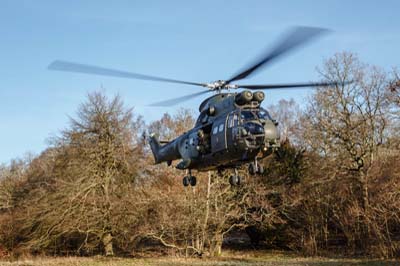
x=233 y=128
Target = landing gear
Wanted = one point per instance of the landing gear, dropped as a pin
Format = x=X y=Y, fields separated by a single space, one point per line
x=260 y=169
x=220 y=172
x=189 y=180
x=186 y=181
x=256 y=168
x=235 y=179
x=192 y=180
x=252 y=168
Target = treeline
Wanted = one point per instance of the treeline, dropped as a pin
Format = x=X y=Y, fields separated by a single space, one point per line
x=333 y=186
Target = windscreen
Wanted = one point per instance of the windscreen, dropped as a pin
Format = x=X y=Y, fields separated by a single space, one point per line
x=263 y=114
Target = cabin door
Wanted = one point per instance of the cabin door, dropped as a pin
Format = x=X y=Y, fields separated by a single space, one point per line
x=231 y=126
x=218 y=135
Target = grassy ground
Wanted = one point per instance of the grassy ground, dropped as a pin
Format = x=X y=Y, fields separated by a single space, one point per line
x=230 y=259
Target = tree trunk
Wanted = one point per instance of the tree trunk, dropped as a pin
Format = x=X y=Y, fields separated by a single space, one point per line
x=207 y=211
x=216 y=245
x=365 y=196
x=108 y=245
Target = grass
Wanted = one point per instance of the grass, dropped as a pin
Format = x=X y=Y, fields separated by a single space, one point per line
x=228 y=259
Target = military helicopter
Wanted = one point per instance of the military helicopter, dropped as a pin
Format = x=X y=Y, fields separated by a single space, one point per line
x=232 y=128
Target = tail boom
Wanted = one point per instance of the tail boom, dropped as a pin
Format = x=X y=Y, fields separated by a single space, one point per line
x=164 y=153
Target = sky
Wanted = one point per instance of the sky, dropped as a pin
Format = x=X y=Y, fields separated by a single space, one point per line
x=198 y=41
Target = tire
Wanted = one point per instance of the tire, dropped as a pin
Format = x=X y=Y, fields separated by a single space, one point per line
x=233 y=180
x=252 y=169
x=238 y=180
x=192 y=181
x=186 y=181
x=260 y=169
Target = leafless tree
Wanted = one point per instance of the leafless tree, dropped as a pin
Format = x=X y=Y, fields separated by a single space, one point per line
x=348 y=121
x=287 y=114
x=92 y=166
x=347 y=126
x=169 y=127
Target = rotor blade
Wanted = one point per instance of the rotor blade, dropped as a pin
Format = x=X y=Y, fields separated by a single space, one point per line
x=179 y=99
x=95 y=70
x=294 y=38
x=290 y=85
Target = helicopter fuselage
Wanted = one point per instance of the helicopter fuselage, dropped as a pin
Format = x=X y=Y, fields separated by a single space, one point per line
x=232 y=129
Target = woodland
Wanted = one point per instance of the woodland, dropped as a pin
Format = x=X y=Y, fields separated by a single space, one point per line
x=333 y=188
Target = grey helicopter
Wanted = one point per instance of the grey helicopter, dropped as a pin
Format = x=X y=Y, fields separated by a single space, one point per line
x=233 y=129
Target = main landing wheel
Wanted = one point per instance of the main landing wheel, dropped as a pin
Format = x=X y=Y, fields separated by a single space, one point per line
x=256 y=169
x=235 y=180
x=186 y=181
x=189 y=180
x=192 y=180
x=260 y=169
x=252 y=168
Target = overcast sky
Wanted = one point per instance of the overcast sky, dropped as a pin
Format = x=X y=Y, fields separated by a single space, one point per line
x=191 y=40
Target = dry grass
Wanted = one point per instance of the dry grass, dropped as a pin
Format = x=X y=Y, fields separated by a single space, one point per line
x=229 y=259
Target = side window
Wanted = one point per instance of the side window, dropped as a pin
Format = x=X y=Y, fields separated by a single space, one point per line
x=232 y=120
x=215 y=130
x=221 y=128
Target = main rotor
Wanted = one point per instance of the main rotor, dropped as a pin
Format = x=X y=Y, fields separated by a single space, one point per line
x=293 y=39
x=219 y=85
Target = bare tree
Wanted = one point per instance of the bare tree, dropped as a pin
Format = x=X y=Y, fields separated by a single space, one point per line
x=170 y=127
x=394 y=87
x=348 y=121
x=92 y=166
x=346 y=125
x=393 y=93
x=287 y=114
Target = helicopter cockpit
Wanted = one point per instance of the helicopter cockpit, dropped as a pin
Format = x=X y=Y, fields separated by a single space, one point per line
x=263 y=114
x=252 y=129
x=257 y=114
x=257 y=128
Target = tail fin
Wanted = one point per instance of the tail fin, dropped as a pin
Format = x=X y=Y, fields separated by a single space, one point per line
x=155 y=147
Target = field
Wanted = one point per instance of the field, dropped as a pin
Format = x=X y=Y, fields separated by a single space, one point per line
x=232 y=259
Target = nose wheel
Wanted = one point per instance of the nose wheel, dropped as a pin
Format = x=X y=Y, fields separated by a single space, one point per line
x=256 y=168
x=189 y=180
x=235 y=179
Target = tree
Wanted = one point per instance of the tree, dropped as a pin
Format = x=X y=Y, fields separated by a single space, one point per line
x=92 y=167
x=394 y=88
x=393 y=93
x=348 y=121
x=287 y=114
x=346 y=125
x=10 y=178
x=170 y=127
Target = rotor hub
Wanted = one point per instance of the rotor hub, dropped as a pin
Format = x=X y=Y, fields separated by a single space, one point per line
x=216 y=85
x=220 y=85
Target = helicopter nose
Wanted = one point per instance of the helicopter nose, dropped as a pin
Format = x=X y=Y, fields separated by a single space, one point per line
x=270 y=131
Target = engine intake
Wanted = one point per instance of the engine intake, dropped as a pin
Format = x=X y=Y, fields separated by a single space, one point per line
x=258 y=96
x=244 y=97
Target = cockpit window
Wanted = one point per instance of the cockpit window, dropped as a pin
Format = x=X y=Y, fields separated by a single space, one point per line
x=247 y=115
x=263 y=114
x=202 y=118
x=254 y=128
x=255 y=115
